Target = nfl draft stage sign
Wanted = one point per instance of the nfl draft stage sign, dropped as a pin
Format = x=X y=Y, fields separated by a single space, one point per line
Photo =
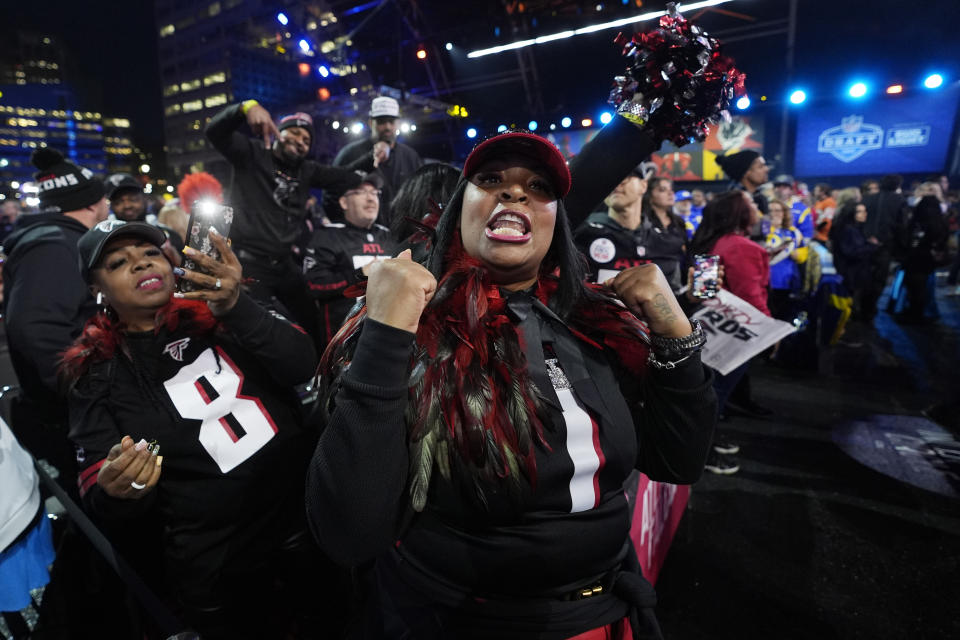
x=907 y=134
x=736 y=331
x=657 y=508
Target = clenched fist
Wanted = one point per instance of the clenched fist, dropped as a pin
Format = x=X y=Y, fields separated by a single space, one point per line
x=646 y=292
x=398 y=290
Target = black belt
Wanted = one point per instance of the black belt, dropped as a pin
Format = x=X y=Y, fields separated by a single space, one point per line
x=602 y=586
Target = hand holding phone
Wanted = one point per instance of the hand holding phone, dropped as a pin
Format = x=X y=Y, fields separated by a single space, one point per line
x=706 y=276
x=205 y=215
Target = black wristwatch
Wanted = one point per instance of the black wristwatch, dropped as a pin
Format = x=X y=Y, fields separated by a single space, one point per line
x=665 y=353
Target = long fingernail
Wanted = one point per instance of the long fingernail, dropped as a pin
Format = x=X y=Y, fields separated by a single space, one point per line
x=140 y=446
x=177 y=294
x=159 y=460
x=214 y=232
x=190 y=251
x=177 y=271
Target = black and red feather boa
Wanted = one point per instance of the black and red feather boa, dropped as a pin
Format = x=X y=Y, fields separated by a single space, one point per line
x=472 y=407
x=102 y=335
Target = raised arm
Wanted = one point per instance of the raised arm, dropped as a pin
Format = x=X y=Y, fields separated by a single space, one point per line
x=223 y=134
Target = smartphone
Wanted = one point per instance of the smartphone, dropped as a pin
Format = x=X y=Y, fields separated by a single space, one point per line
x=205 y=215
x=706 y=276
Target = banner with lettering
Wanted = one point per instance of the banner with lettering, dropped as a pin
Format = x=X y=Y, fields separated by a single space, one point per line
x=736 y=331
x=657 y=508
x=909 y=133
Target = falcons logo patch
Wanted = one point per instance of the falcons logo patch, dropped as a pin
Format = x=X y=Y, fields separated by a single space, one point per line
x=176 y=348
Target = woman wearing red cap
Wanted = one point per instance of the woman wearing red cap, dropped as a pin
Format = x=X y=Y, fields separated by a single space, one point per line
x=483 y=411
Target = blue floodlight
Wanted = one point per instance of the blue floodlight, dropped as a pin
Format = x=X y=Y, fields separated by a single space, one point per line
x=471 y=133
x=743 y=102
x=304 y=45
x=798 y=97
x=501 y=128
x=448 y=46
x=323 y=71
x=606 y=117
x=857 y=90
x=566 y=122
x=282 y=18
x=933 y=81
x=532 y=125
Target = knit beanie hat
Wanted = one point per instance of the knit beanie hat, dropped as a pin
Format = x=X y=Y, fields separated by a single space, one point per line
x=299 y=119
x=62 y=185
x=736 y=165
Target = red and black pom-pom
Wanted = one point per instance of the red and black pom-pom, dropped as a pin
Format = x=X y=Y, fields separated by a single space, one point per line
x=677 y=83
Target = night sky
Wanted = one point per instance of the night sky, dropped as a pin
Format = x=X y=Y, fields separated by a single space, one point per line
x=114 y=45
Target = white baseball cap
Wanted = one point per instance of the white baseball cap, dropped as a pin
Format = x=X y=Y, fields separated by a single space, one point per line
x=384 y=107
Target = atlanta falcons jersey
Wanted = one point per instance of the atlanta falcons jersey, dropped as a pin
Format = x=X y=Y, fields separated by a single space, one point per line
x=221 y=407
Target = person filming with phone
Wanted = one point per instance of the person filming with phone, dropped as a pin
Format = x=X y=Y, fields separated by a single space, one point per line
x=187 y=427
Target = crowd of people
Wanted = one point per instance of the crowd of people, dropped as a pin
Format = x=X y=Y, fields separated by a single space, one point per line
x=490 y=353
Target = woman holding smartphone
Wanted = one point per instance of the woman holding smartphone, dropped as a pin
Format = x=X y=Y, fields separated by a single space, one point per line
x=186 y=425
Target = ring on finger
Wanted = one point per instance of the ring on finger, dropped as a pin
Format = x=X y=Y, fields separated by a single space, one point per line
x=217 y=285
x=136 y=485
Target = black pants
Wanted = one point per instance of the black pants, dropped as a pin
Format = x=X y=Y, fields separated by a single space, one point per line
x=278 y=283
x=879 y=271
x=915 y=281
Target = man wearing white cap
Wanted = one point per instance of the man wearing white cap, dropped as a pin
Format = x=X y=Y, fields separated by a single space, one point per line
x=381 y=152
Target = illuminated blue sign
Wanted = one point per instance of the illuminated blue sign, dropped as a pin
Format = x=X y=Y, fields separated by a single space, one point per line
x=909 y=134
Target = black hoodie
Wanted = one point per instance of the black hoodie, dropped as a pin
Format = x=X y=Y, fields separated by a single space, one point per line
x=45 y=304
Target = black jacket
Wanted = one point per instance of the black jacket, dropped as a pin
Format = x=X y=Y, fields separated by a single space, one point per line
x=269 y=198
x=46 y=304
x=505 y=551
x=358 y=156
x=887 y=214
x=334 y=254
x=221 y=405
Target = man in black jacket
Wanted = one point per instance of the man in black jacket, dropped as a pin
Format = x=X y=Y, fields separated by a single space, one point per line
x=46 y=302
x=382 y=153
x=338 y=250
x=271 y=185
x=887 y=213
x=614 y=241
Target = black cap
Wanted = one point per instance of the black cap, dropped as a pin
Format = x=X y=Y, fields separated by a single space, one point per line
x=783 y=179
x=737 y=164
x=121 y=182
x=63 y=185
x=92 y=243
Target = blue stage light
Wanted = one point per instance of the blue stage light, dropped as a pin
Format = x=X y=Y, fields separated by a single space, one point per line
x=448 y=46
x=532 y=125
x=501 y=128
x=304 y=45
x=933 y=81
x=606 y=117
x=798 y=97
x=743 y=102
x=857 y=90
x=471 y=133
x=323 y=71
x=282 y=19
x=566 y=122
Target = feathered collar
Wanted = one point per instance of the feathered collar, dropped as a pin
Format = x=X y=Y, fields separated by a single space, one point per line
x=102 y=334
x=473 y=409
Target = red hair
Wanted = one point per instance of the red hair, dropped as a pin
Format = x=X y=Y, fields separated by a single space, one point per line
x=198 y=186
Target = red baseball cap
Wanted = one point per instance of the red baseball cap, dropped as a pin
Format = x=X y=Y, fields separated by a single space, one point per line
x=526 y=144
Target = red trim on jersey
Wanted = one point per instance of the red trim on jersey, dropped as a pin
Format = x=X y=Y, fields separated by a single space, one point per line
x=236 y=370
x=327 y=287
x=203 y=392
x=603 y=460
x=88 y=477
x=226 y=425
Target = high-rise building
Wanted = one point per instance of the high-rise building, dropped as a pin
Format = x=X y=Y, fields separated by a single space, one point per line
x=217 y=53
x=40 y=115
x=30 y=58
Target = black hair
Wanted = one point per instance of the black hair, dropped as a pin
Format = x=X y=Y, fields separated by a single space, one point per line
x=891 y=182
x=727 y=213
x=646 y=209
x=436 y=181
x=562 y=255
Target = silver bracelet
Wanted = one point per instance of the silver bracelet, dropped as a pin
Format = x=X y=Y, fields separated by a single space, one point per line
x=669 y=364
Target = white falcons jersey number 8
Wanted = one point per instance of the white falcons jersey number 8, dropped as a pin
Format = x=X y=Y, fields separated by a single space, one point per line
x=233 y=427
